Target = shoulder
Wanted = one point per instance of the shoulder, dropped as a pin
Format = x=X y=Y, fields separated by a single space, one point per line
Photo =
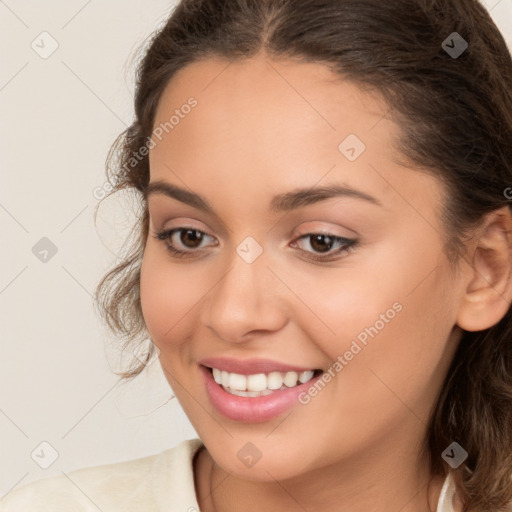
x=146 y=484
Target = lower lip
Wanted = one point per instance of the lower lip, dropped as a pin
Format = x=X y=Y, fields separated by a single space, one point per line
x=252 y=409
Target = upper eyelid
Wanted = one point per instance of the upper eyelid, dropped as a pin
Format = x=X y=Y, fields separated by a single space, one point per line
x=154 y=212
x=325 y=232
x=294 y=202
x=219 y=226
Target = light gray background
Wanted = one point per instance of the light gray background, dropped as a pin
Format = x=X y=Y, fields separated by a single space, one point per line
x=59 y=115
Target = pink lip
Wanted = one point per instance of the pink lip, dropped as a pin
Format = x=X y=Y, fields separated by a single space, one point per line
x=252 y=409
x=250 y=366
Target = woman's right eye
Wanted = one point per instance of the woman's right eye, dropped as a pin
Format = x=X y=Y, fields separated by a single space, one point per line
x=190 y=238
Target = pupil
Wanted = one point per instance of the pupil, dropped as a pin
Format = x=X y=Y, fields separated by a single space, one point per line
x=193 y=235
x=319 y=243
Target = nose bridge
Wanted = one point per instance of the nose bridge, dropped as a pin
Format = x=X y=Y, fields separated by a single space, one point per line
x=246 y=297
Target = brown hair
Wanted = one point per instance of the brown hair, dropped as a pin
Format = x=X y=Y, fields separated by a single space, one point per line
x=456 y=120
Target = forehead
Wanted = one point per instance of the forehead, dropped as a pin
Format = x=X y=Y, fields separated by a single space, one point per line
x=289 y=92
x=276 y=125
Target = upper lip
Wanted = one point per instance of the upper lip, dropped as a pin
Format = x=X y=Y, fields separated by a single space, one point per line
x=251 y=366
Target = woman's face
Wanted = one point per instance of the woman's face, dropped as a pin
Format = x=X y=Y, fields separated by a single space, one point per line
x=376 y=316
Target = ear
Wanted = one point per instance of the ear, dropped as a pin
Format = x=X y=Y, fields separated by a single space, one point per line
x=488 y=292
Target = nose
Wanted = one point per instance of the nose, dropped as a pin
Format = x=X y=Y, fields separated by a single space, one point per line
x=246 y=301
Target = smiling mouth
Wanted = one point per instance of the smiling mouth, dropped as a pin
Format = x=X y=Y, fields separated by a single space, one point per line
x=260 y=384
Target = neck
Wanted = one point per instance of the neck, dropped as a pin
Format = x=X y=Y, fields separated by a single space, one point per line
x=357 y=486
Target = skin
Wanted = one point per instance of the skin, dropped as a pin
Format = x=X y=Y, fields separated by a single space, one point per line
x=264 y=127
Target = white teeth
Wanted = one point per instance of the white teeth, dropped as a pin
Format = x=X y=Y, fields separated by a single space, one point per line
x=260 y=383
x=257 y=382
x=290 y=379
x=249 y=393
x=239 y=382
x=305 y=376
x=274 y=380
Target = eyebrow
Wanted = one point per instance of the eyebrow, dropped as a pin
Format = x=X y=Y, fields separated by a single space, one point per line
x=285 y=202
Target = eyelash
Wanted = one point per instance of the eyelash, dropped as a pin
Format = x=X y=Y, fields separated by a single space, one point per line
x=349 y=244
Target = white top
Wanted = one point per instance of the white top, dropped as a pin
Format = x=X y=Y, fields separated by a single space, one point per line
x=157 y=483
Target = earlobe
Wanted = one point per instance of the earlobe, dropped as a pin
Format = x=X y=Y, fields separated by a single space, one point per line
x=488 y=293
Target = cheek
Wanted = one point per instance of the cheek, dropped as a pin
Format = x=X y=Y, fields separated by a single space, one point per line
x=336 y=306
x=417 y=339
x=168 y=294
x=403 y=360
x=389 y=322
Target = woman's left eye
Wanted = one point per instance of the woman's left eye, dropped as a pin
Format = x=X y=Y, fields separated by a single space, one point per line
x=321 y=244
